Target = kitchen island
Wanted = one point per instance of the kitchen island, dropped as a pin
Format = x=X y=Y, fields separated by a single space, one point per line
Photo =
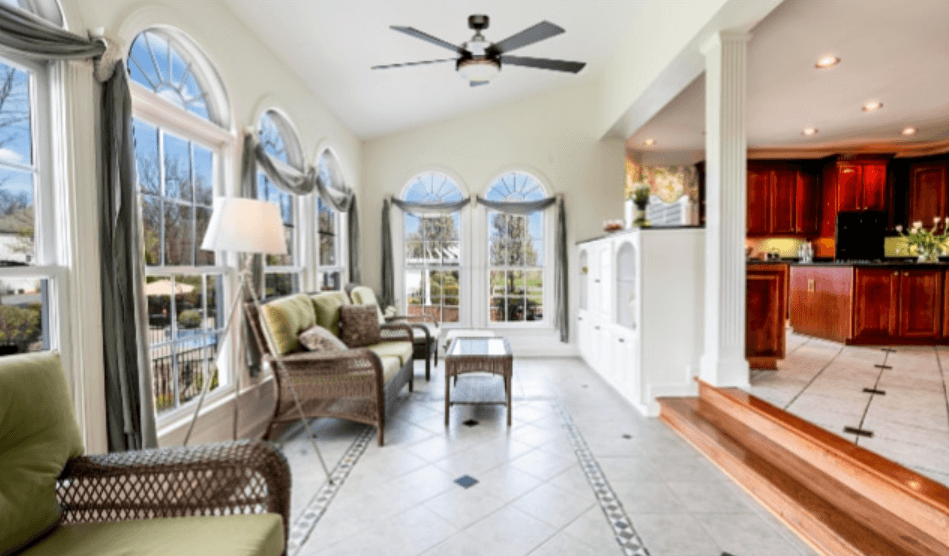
x=871 y=303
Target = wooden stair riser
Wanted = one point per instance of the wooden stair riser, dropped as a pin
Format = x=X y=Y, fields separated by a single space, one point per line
x=809 y=527
x=902 y=534
x=864 y=480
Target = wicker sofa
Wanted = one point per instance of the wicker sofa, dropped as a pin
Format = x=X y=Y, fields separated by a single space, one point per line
x=356 y=384
x=225 y=498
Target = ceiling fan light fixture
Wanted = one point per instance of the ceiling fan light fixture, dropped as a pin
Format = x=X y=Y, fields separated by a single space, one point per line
x=478 y=69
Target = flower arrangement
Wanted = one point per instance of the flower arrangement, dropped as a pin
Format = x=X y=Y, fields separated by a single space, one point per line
x=928 y=245
x=641 y=199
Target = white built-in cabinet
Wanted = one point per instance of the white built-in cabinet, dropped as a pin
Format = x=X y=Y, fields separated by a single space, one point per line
x=640 y=318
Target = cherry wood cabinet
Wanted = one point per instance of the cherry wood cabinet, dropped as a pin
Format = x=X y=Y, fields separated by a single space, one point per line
x=782 y=200
x=928 y=192
x=852 y=185
x=765 y=314
x=875 y=303
x=920 y=311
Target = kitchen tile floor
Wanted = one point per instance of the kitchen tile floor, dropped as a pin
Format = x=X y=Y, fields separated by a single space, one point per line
x=823 y=382
x=654 y=493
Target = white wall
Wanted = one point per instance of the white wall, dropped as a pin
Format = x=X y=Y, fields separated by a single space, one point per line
x=255 y=79
x=553 y=136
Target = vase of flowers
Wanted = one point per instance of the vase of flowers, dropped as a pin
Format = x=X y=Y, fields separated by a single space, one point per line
x=927 y=245
x=641 y=199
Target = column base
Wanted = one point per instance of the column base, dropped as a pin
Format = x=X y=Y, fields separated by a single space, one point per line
x=726 y=372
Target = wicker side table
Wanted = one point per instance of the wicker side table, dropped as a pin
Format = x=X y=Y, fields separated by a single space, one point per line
x=479 y=355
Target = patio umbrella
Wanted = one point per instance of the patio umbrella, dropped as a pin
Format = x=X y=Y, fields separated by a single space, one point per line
x=163 y=287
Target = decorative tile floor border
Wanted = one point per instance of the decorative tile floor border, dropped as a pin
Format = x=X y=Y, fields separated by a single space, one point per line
x=625 y=534
x=301 y=529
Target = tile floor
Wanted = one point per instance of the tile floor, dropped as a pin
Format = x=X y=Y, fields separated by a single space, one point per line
x=823 y=382
x=579 y=473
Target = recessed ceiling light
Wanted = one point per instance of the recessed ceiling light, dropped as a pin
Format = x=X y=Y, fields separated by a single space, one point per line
x=909 y=131
x=826 y=62
x=649 y=142
x=872 y=106
x=809 y=131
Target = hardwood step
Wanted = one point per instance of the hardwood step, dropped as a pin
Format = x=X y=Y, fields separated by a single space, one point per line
x=809 y=504
x=919 y=500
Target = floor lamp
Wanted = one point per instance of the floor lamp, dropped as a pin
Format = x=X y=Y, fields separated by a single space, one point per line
x=252 y=227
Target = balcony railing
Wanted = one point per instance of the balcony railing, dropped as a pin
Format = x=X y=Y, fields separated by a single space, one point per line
x=178 y=366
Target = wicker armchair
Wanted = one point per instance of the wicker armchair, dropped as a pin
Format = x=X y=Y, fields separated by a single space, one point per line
x=212 y=479
x=346 y=385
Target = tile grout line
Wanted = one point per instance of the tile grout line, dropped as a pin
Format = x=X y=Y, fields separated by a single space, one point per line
x=870 y=399
x=625 y=533
x=942 y=372
x=302 y=528
x=813 y=378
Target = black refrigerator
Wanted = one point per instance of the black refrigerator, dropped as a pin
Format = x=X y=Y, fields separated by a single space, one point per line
x=860 y=235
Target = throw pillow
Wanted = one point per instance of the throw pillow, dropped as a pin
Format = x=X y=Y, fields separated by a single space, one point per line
x=318 y=339
x=359 y=325
x=38 y=433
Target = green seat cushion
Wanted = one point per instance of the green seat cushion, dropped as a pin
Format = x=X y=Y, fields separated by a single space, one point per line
x=327 y=306
x=287 y=318
x=390 y=368
x=234 y=535
x=363 y=295
x=402 y=350
x=38 y=434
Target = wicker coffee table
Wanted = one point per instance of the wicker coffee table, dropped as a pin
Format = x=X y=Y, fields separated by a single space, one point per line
x=479 y=355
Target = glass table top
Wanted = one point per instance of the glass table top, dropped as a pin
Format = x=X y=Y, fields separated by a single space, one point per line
x=479 y=346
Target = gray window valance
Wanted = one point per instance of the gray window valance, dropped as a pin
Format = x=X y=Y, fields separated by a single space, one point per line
x=424 y=209
x=518 y=207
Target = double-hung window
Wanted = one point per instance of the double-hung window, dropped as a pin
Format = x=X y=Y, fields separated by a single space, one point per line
x=330 y=271
x=282 y=273
x=180 y=137
x=30 y=271
x=433 y=256
x=516 y=260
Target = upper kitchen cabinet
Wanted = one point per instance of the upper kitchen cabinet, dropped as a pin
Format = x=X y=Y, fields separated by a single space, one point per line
x=928 y=190
x=852 y=185
x=782 y=200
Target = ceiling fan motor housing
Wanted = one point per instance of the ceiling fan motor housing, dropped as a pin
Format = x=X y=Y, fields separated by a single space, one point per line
x=478 y=22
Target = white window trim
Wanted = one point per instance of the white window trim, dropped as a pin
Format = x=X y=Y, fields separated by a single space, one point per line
x=342 y=244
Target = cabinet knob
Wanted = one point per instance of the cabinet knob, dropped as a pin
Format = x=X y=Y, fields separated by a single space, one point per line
x=897 y=273
x=596 y=327
x=621 y=340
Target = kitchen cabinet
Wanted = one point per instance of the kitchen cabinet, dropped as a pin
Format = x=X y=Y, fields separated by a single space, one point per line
x=920 y=314
x=781 y=200
x=852 y=185
x=928 y=192
x=766 y=309
x=875 y=303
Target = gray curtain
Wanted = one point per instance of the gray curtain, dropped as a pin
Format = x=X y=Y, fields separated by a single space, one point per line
x=422 y=209
x=561 y=292
x=352 y=226
x=130 y=416
x=253 y=263
x=388 y=271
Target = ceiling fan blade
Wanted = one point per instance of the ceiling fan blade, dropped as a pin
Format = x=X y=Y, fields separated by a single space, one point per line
x=543 y=63
x=539 y=32
x=479 y=83
x=405 y=64
x=413 y=32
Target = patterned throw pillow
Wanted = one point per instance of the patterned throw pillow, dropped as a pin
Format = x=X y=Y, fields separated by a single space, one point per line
x=359 y=325
x=318 y=339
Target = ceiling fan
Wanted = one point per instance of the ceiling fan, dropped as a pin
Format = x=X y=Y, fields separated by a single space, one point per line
x=479 y=60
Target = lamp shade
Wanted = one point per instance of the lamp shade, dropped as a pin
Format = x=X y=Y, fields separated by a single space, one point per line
x=245 y=226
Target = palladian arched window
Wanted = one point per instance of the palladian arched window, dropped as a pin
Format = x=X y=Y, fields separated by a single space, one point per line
x=433 y=250
x=175 y=94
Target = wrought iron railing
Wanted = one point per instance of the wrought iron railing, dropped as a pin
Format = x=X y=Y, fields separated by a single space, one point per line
x=178 y=368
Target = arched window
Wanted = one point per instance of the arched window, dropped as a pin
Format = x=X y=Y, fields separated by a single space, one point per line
x=281 y=272
x=178 y=162
x=433 y=250
x=329 y=228
x=516 y=252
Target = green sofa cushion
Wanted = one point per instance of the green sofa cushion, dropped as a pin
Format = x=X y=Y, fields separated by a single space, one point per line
x=390 y=367
x=327 y=306
x=401 y=350
x=38 y=434
x=234 y=535
x=363 y=295
x=287 y=318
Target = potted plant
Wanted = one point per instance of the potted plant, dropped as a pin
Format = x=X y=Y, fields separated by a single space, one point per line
x=641 y=199
x=927 y=245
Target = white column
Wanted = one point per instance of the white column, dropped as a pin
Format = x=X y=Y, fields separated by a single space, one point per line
x=724 y=363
